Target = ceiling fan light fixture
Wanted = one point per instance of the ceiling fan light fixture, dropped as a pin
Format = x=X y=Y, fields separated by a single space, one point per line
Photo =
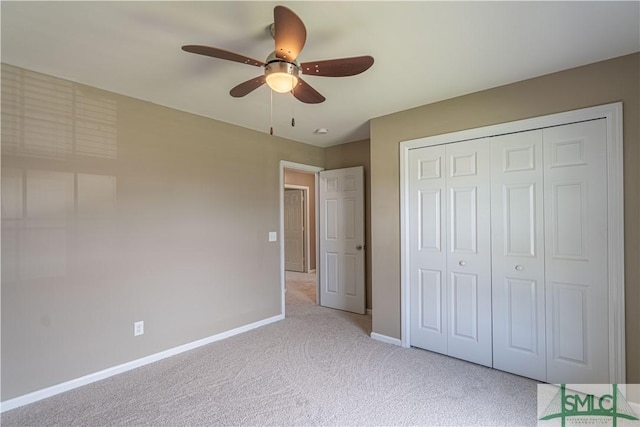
x=281 y=76
x=282 y=82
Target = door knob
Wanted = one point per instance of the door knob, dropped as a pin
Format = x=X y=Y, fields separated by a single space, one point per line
x=359 y=247
x=462 y=263
x=519 y=268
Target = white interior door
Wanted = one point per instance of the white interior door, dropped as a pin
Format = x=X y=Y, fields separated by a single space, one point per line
x=469 y=251
x=518 y=254
x=428 y=253
x=575 y=212
x=294 y=255
x=450 y=256
x=341 y=199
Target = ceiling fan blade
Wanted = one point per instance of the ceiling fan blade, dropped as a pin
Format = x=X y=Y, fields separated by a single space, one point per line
x=290 y=33
x=250 y=85
x=305 y=93
x=222 y=54
x=337 y=67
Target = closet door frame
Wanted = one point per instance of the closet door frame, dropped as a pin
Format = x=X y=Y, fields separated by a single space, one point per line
x=615 y=202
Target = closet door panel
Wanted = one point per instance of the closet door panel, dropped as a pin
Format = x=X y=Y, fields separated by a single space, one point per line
x=518 y=292
x=576 y=253
x=427 y=261
x=464 y=303
x=469 y=251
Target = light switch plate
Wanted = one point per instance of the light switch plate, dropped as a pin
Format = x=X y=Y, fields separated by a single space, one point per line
x=273 y=236
x=138 y=328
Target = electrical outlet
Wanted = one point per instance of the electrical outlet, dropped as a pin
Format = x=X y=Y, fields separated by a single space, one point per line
x=138 y=328
x=273 y=236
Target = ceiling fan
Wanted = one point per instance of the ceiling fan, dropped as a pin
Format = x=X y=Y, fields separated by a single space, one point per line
x=281 y=70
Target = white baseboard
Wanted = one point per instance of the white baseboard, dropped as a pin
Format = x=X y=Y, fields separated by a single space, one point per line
x=386 y=339
x=115 y=370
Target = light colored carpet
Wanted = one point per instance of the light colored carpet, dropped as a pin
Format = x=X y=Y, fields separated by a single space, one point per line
x=317 y=367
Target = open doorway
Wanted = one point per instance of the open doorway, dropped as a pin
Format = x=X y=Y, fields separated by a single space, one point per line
x=297 y=231
x=299 y=235
x=298 y=228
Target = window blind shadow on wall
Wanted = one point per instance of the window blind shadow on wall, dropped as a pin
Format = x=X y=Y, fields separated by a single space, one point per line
x=51 y=202
x=47 y=117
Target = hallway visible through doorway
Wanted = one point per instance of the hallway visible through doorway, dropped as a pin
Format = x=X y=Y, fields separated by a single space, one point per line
x=303 y=284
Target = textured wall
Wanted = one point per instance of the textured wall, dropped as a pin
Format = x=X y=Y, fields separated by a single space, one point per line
x=600 y=83
x=116 y=210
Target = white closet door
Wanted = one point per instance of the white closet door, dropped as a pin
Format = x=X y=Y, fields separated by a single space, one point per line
x=576 y=253
x=518 y=254
x=469 y=251
x=428 y=254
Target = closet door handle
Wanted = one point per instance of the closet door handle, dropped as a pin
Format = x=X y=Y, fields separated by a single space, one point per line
x=519 y=268
x=462 y=263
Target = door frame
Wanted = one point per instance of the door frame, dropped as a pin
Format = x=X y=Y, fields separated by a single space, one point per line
x=284 y=164
x=305 y=221
x=615 y=217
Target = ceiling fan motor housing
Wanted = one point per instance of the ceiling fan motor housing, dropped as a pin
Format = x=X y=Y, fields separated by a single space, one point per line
x=280 y=66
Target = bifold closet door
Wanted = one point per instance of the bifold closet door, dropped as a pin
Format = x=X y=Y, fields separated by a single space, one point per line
x=450 y=255
x=509 y=252
x=549 y=266
x=469 y=250
x=518 y=289
x=428 y=253
x=575 y=188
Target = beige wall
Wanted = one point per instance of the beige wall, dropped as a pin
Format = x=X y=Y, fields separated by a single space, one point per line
x=345 y=156
x=116 y=210
x=601 y=83
x=294 y=177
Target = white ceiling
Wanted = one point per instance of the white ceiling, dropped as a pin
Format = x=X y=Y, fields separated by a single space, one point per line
x=424 y=52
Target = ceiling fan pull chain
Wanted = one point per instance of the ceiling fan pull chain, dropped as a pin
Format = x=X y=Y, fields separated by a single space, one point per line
x=271 y=112
x=293 y=103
